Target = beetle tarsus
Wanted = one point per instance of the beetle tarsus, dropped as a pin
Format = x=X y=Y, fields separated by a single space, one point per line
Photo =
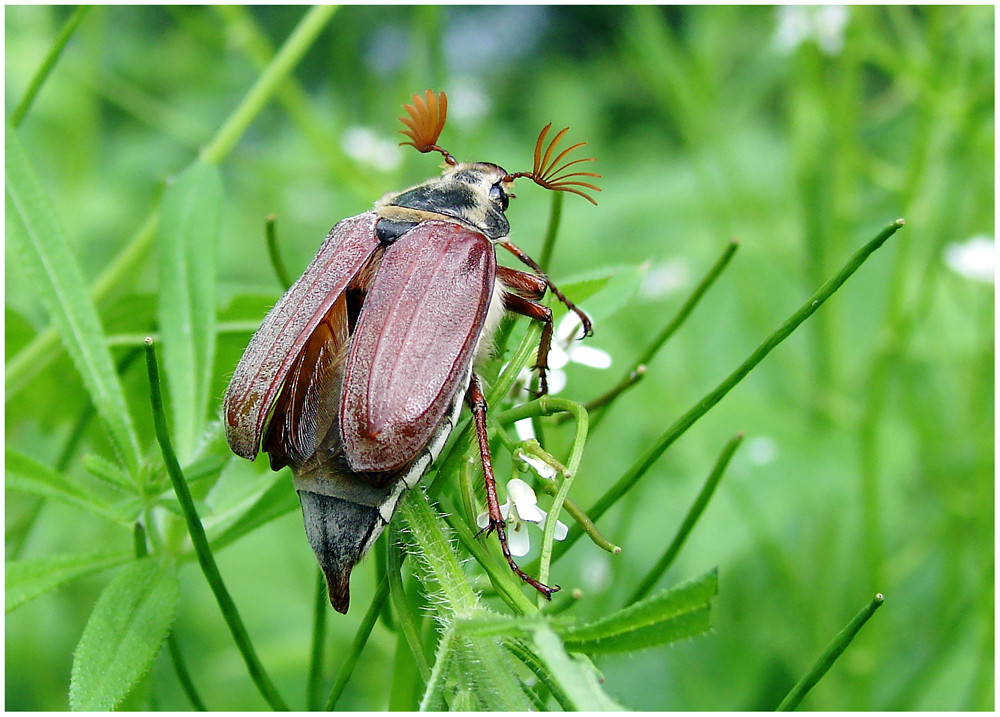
x=499 y=528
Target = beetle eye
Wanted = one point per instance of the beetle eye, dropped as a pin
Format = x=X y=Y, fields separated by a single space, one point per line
x=498 y=195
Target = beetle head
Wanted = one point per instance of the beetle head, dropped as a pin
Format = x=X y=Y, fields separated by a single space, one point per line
x=426 y=119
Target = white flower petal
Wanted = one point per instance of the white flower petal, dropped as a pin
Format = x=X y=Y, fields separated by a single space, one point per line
x=568 y=328
x=525 y=431
x=830 y=21
x=518 y=540
x=557 y=357
x=483 y=519
x=525 y=502
x=665 y=278
x=762 y=450
x=561 y=530
x=589 y=356
x=974 y=259
x=538 y=465
x=557 y=382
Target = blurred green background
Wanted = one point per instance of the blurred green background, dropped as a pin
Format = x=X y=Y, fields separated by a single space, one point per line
x=868 y=461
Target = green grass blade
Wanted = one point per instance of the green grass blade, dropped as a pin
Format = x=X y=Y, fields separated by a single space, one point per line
x=682 y=424
x=42 y=74
x=269 y=82
x=697 y=508
x=41 y=246
x=830 y=655
x=321 y=608
x=688 y=306
x=197 y=532
x=24 y=580
x=579 y=682
x=44 y=348
x=668 y=616
x=271 y=238
x=124 y=633
x=188 y=239
x=360 y=640
x=26 y=475
x=183 y=675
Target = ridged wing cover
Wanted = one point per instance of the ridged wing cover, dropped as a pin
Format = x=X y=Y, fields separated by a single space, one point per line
x=414 y=342
x=287 y=327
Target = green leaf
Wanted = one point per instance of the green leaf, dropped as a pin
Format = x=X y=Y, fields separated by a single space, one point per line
x=25 y=580
x=572 y=679
x=41 y=247
x=280 y=498
x=620 y=289
x=124 y=633
x=675 y=614
x=188 y=241
x=109 y=472
x=27 y=475
x=578 y=680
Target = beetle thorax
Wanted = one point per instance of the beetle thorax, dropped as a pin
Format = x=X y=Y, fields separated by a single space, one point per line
x=473 y=193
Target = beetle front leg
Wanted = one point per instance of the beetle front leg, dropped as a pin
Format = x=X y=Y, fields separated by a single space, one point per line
x=588 y=329
x=538 y=312
x=477 y=403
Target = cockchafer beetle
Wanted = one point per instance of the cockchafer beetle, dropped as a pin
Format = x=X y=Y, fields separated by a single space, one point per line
x=356 y=376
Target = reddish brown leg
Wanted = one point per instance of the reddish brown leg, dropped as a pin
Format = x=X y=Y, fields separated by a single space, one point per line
x=477 y=402
x=522 y=283
x=538 y=312
x=588 y=329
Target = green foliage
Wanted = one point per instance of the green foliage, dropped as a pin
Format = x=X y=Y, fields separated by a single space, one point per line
x=668 y=616
x=187 y=247
x=125 y=631
x=135 y=206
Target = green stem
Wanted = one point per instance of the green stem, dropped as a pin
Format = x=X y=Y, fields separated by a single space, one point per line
x=508 y=587
x=43 y=348
x=682 y=424
x=360 y=640
x=549 y=245
x=269 y=82
x=183 y=676
x=200 y=541
x=829 y=656
x=688 y=307
x=42 y=73
x=321 y=606
x=404 y=616
x=270 y=237
x=638 y=368
x=173 y=647
x=694 y=512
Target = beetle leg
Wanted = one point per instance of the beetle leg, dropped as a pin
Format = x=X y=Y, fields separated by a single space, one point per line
x=477 y=402
x=588 y=329
x=538 y=312
x=522 y=283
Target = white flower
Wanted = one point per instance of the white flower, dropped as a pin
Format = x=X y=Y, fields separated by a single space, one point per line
x=973 y=259
x=364 y=146
x=520 y=509
x=762 y=450
x=665 y=278
x=823 y=24
x=537 y=464
x=565 y=350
